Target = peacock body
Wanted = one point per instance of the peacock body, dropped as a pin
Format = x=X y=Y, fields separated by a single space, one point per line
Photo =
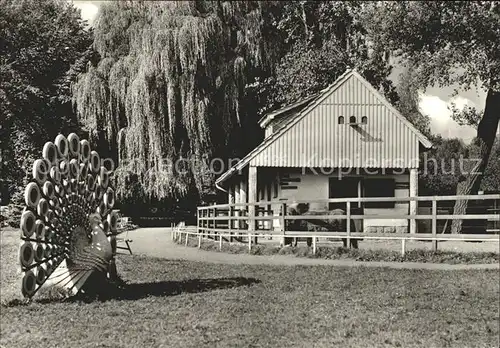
x=68 y=226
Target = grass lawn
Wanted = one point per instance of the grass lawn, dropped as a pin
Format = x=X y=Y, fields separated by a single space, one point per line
x=192 y=304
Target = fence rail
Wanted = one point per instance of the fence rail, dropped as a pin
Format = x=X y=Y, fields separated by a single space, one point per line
x=259 y=219
x=492 y=217
x=363 y=199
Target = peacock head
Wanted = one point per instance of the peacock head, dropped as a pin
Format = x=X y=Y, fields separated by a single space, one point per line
x=95 y=219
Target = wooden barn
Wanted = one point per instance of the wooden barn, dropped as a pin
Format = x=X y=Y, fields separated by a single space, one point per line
x=346 y=141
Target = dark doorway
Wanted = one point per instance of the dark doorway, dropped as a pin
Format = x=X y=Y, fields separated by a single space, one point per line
x=346 y=187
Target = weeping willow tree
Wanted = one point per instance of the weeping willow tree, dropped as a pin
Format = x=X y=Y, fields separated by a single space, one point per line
x=168 y=94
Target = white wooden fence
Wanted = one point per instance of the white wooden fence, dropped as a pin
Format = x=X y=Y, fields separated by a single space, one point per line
x=230 y=221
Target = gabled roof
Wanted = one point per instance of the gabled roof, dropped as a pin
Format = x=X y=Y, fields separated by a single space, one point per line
x=314 y=101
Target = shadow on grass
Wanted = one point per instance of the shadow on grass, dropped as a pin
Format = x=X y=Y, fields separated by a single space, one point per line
x=136 y=291
x=172 y=288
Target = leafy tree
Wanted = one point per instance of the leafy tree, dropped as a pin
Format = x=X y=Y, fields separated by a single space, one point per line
x=407 y=90
x=471 y=117
x=320 y=40
x=440 y=166
x=440 y=170
x=44 y=45
x=449 y=42
x=467 y=116
x=168 y=94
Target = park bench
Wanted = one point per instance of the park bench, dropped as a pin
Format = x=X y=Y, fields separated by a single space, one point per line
x=122 y=227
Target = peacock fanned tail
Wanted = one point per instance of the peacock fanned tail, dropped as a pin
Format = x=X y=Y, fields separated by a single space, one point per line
x=68 y=226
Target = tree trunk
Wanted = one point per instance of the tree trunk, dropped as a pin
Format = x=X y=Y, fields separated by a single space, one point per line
x=486 y=132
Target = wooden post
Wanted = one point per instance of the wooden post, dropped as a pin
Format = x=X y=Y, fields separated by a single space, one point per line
x=269 y=223
x=403 y=247
x=434 y=223
x=187 y=235
x=199 y=241
x=198 y=221
x=283 y=223
x=348 y=225
x=257 y=223
x=237 y=221
x=413 y=204
x=207 y=223
x=249 y=242
x=230 y=223
x=314 y=245
x=360 y=194
x=214 y=224
x=231 y=201
x=243 y=198
x=230 y=192
x=237 y=200
x=237 y=195
x=252 y=199
x=202 y=223
x=220 y=241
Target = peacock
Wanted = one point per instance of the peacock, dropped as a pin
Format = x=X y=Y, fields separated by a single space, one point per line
x=68 y=226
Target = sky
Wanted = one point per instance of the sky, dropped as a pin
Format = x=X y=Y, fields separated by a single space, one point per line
x=88 y=9
x=434 y=101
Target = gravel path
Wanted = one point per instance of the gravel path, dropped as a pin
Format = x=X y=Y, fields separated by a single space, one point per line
x=157 y=242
